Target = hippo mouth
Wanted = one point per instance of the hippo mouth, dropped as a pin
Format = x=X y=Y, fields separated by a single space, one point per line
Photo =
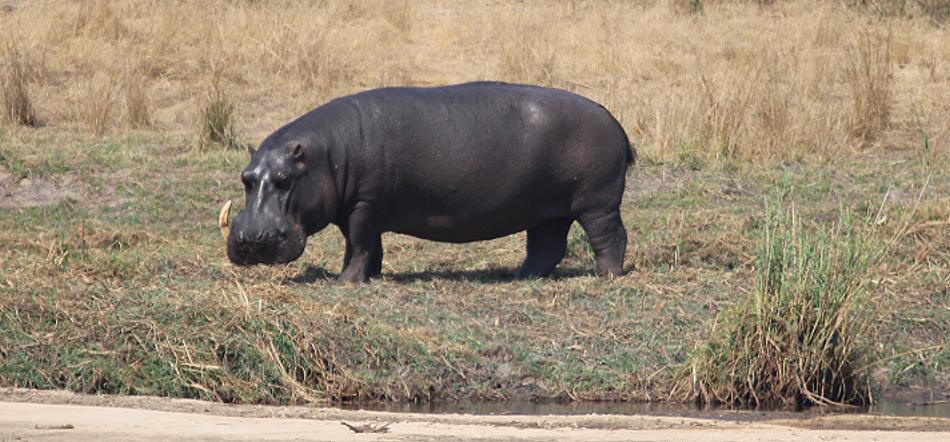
x=272 y=245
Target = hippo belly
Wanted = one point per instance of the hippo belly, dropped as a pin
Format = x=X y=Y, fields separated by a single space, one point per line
x=476 y=210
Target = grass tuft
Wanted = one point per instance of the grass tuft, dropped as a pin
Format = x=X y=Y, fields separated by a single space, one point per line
x=216 y=123
x=98 y=103
x=14 y=88
x=137 y=111
x=869 y=75
x=800 y=338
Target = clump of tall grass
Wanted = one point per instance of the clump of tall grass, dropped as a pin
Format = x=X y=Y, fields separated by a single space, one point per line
x=216 y=122
x=14 y=88
x=97 y=103
x=137 y=111
x=801 y=336
x=869 y=75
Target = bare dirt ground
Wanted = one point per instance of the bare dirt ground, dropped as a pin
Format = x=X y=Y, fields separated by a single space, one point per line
x=29 y=415
x=17 y=192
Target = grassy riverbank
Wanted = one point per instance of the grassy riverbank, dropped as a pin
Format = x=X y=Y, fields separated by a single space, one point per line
x=113 y=276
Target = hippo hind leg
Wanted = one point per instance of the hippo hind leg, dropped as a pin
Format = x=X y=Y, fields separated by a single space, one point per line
x=376 y=261
x=547 y=243
x=608 y=239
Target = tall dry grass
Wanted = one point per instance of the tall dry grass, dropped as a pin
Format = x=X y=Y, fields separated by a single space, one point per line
x=692 y=81
x=869 y=73
x=15 y=87
x=95 y=105
x=137 y=109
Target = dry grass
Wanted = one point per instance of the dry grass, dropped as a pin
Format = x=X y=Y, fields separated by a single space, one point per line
x=869 y=74
x=216 y=124
x=95 y=105
x=693 y=82
x=137 y=111
x=124 y=287
x=15 y=87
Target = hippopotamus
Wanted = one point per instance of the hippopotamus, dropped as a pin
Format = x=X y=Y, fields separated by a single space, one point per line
x=458 y=163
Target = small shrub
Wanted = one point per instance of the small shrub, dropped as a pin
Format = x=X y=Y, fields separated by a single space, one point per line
x=14 y=88
x=217 y=121
x=801 y=336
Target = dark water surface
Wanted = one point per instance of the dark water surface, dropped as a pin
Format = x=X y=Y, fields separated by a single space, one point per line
x=937 y=406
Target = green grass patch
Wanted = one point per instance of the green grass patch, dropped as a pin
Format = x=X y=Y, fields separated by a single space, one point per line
x=126 y=288
x=802 y=336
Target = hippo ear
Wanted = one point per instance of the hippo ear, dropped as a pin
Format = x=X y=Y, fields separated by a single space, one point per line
x=296 y=153
x=250 y=150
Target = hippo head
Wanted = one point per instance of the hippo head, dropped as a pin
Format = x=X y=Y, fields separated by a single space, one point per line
x=286 y=200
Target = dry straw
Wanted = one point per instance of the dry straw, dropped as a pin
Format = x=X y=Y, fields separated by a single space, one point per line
x=693 y=82
x=97 y=102
x=137 y=110
x=15 y=87
x=870 y=78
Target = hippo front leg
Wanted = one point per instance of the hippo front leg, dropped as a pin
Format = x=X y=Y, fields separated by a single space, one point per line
x=364 y=252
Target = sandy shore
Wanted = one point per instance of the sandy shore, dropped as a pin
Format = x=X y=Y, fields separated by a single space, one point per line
x=27 y=415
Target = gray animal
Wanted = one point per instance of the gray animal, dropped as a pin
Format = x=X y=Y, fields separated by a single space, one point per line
x=460 y=163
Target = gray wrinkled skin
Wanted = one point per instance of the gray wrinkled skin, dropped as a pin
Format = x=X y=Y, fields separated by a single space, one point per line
x=460 y=163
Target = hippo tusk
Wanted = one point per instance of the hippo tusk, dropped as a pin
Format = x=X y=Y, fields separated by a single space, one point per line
x=223 y=219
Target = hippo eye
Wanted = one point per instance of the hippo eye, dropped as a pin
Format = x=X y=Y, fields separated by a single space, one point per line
x=281 y=180
x=248 y=179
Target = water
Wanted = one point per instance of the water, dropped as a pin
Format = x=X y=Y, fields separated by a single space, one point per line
x=901 y=408
x=885 y=407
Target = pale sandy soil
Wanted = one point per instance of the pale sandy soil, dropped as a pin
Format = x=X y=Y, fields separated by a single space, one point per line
x=58 y=416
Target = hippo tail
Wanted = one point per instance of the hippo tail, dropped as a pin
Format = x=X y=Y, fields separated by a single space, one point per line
x=631 y=157
x=631 y=152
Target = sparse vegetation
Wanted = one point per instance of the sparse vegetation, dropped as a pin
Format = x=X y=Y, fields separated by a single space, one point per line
x=711 y=81
x=870 y=77
x=96 y=105
x=216 y=125
x=15 y=87
x=802 y=336
x=121 y=285
x=137 y=110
